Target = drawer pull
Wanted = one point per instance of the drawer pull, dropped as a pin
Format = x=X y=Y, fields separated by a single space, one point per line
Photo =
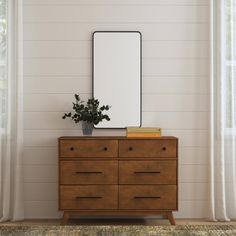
x=88 y=172
x=92 y=197
x=147 y=197
x=164 y=148
x=105 y=148
x=130 y=149
x=147 y=172
x=72 y=149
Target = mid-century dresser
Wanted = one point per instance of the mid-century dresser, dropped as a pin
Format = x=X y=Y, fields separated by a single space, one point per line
x=118 y=176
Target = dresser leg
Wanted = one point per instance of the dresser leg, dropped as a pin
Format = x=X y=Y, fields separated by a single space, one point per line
x=170 y=217
x=65 y=218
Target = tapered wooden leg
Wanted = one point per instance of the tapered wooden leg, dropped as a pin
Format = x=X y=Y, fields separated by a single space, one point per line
x=65 y=218
x=170 y=217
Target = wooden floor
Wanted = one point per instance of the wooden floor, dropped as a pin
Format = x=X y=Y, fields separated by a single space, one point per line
x=139 y=221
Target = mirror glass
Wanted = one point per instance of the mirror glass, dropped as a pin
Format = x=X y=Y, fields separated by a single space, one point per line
x=117 y=76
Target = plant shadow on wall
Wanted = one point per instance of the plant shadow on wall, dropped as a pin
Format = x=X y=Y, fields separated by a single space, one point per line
x=89 y=113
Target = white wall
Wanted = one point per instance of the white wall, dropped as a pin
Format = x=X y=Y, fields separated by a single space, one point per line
x=57 y=64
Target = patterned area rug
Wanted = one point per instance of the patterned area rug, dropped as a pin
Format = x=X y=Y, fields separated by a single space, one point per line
x=188 y=230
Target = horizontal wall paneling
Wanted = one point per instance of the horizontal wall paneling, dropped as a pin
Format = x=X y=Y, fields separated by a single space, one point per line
x=175 y=83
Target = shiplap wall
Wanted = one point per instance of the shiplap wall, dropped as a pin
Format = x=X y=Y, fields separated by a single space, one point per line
x=57 y=64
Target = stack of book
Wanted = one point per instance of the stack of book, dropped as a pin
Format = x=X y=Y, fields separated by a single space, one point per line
x=133 y=132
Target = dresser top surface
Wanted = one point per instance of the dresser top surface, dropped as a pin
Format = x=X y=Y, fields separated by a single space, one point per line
x=116 y=137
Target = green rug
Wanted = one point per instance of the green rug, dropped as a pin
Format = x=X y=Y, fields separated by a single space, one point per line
x=186 y=230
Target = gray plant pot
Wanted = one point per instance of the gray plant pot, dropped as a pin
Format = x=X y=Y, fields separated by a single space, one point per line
x=87 y=128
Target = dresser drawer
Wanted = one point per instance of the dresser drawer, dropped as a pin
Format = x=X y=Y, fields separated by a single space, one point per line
x=152 y=197
x=89 y=172
x=148 y=148
x=147 y=172
x=88 y=148
x=88 y=197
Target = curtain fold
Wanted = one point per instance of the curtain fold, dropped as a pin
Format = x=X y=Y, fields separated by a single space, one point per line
x=11 y=130
x=222 y=111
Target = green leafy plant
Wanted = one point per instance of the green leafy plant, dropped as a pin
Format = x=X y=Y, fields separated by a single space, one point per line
x=87 y=111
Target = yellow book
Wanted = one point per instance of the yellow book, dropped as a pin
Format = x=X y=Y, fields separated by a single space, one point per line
x=143 y=129
x=144 y=135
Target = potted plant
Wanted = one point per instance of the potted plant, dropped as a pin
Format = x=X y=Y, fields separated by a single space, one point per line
x=88 y=112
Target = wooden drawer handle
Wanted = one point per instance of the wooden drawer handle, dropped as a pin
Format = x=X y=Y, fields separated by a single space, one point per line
x=105 y=148
x=164 y=148
x=93 y=197
x=88 y=172
x=147 y=172
x=130 y=149
x=72 y=149
x=147 y=197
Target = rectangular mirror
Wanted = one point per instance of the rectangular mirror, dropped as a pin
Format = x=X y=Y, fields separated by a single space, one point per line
x=117 y=69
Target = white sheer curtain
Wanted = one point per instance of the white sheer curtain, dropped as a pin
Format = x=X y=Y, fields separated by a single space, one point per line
x=11 y=110
x=223 y=110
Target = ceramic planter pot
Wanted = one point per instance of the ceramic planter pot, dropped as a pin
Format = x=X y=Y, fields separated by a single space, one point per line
x=87 y=128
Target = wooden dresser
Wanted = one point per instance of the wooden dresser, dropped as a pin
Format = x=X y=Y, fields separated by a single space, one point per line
x=118 y=176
